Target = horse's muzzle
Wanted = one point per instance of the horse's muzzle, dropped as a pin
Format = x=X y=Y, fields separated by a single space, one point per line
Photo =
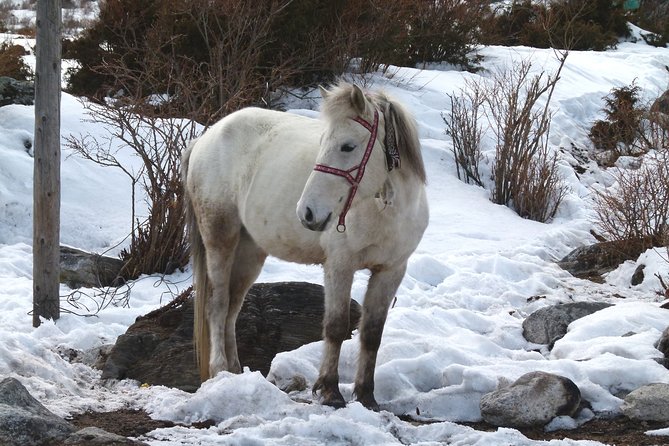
x=311 y=223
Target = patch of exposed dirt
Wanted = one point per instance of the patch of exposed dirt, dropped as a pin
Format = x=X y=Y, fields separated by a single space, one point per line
x=616 y=432
x=619 y=431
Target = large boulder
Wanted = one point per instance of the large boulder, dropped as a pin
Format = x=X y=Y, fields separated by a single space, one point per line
x=16 y=92
x=24 y=421
x=532 y=400
x=648 y=403
x=158 y=348
x=548 y=324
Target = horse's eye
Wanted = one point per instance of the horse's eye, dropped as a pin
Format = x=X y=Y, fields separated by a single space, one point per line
x=347 y=148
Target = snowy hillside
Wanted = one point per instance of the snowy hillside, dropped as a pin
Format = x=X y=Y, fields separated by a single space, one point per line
x=454 y=332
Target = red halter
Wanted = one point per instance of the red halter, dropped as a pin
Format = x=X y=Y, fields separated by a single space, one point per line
x=354 y=181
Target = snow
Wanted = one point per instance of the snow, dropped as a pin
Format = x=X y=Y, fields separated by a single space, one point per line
x=453 y=334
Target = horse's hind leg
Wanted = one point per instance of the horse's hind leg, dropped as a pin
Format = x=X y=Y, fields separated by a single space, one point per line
x=220 y=234
x=380 y=292
x=249 y=258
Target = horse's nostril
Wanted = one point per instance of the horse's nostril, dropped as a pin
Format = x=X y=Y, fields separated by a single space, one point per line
x=310 y=215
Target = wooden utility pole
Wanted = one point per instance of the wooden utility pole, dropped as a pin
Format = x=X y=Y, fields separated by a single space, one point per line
x=46 y=183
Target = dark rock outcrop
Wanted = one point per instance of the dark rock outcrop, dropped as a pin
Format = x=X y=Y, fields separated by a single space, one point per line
x=158 y=348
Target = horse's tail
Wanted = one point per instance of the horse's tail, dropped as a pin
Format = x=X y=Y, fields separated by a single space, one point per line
x=201 y=283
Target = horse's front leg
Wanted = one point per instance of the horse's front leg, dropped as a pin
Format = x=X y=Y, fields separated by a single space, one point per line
x=381 y=289
x=338 y=281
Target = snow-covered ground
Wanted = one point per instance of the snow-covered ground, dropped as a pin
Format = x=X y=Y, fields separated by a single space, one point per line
x=454 y=332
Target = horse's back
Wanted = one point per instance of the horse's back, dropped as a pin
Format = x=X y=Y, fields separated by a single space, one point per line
x=255 y=162
x=227 y=155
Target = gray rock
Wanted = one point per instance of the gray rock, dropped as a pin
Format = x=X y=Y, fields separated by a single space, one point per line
x=548 y=324
x=533 y=400
x=648 y=403
x=83 y=269
x=16 y=92
x=592 y=262
x=94 y=436
x=158 y=348
x=24 y=421
x=638 y=276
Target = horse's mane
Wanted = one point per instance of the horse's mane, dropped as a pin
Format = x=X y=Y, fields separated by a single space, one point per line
x=339 y=105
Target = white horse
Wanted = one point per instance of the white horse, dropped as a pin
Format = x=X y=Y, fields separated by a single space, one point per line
x=357 y=208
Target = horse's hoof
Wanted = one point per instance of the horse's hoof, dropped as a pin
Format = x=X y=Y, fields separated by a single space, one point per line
x=329 y=394
x=337 y=403
x=370 y=403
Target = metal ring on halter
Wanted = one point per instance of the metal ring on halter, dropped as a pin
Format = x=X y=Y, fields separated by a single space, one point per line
x=341 y=228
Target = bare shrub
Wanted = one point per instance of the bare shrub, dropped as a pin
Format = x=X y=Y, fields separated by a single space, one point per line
x=638 y=208
x=464 y=127
x=158 y=242
x=540 y=188
x=525 y=176
x=525 y=172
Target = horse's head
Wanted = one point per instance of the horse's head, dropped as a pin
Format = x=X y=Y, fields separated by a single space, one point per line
x=351 y=162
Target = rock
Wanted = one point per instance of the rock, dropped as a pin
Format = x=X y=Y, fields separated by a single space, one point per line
x=663 y=343
x=24 y=421
x=592 y=262
x=663 y=346
x=533 y=400
x=548 y=324
x=661 y=104
x=83 y=269
x=94 y=436
x=648 y=403
x=638 y=276
x=16 y=92
x=158 y=348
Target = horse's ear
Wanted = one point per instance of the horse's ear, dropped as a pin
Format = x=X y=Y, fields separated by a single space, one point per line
x=324 y=92
x=358 y=100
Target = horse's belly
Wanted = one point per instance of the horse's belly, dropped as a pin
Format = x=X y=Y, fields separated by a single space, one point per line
x=287 y=244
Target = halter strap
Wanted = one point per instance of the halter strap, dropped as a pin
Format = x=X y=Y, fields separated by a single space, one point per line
x=354 y=181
